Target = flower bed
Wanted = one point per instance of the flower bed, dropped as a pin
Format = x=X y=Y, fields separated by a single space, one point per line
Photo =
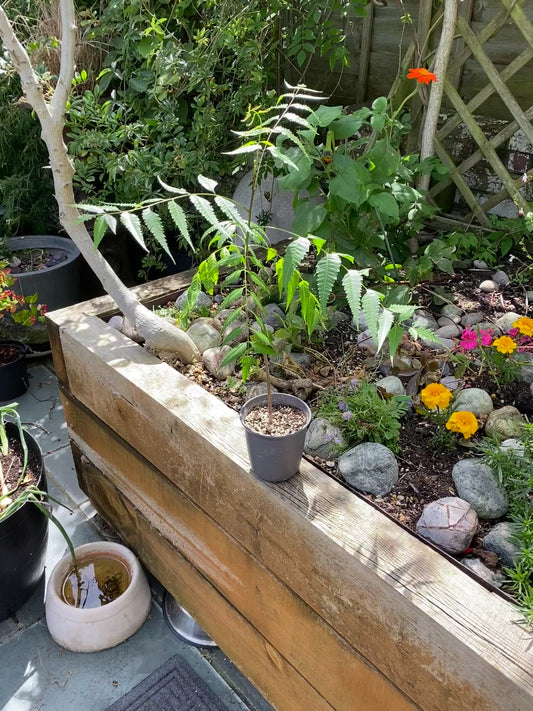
x=318 y=597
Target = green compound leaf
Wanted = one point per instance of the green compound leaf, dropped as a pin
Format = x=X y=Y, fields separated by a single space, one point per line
x=327 y=271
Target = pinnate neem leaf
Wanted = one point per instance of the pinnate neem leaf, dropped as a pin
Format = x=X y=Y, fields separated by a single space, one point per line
x=154 y=224
x=327 y=271
x=234 y=354
x=134 y=226
x=394 y=338
x=180 y=220
x=385 y=321
x=99 y=229
x=352 y=283
x=294 y=255
x=370 y=303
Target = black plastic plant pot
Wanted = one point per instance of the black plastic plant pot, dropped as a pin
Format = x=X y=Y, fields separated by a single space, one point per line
x=275 y=458
x=13 y=372
x=56 y=286
x=23 y=539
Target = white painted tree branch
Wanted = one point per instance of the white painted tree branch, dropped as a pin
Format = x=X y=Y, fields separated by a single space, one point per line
x=437 y=88
x=158 y=333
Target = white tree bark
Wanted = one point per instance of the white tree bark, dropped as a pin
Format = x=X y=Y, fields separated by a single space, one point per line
x=437 y=88
x=158 y=333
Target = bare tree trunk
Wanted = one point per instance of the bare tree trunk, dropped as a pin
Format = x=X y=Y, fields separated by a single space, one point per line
x=157 y=332
x=437 y=89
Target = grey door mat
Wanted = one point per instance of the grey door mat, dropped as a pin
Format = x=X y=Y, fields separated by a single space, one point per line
x=172 y=687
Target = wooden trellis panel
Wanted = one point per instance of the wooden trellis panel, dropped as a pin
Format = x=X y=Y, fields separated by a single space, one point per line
x=496 y=85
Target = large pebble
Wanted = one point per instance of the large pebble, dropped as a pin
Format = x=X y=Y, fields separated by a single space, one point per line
x=213 y=357
x=476 y=483
x=499 y=540
x=449 y=331
x=488 y=286
x=323 y=439
x=505 y=322
x=392 y=385
x=370 y=467
x=452 y=312
x=472 y=318
x=513 y=446
x=449 y=523
x=501 y=278
x=205 y=334
x=474 y=400
x=424 y=319
x=481 y=570
x=202 y=300
x=273 y=316
x=505 y=423
x=366 y=342
x=480 y=264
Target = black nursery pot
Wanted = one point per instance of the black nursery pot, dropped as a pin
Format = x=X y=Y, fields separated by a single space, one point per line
x=275 y=458
x=23 y=539
x=13 y=375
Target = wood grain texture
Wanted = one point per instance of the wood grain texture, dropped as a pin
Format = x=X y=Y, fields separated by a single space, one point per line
x=279 y=682
x=424 y=624
x=338 y=673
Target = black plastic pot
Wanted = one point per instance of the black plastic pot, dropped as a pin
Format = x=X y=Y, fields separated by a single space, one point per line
x=23 y=539
x=275 y=458
x=13 y=375
x=56 y=286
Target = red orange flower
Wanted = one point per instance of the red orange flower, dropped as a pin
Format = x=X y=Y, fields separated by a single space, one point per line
x=422 y=75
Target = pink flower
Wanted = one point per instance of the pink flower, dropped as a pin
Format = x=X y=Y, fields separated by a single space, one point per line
x=468 y=340
x=513 y=332
x=486 y=337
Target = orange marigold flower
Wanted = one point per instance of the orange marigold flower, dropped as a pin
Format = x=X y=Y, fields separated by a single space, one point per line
x=524 y=325
x=422 y=75
x=436 y=395
x=464 y=422
x=504 y=344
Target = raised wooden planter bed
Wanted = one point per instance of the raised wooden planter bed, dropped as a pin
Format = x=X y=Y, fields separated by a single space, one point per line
x=320 y=599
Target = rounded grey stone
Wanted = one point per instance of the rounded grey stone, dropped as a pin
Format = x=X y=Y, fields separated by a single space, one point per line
x=450 y=331
x=449 y=523
x=501 y=278
x=480 y=264
x=476 y=483
x=481 y=570
x=448 y=321
x=370 y=467
x=366 y=342
x=392 y=385
x=473 y=318
x=513 y=445
x=529 y=296
x=452 y=312
x=202 y=300
x=474 y=400
x=505 y=423
x=213 y=357
x=526 y=375
x=273 y=316
x=424 y=319
x=499 y=540
x=204 y=334
x=323 y=439
x=505 y=322
x=488 y=286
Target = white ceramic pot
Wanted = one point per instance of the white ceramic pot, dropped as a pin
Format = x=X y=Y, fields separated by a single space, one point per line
x=97 y=628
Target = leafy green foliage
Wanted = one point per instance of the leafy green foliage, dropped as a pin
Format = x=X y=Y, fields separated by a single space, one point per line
x=363 y=414
x=515 y=471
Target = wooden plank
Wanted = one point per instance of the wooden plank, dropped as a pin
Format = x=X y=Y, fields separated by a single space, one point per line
x=364 y=54
x=339 y=673
x=366 y=577
x=281 y=685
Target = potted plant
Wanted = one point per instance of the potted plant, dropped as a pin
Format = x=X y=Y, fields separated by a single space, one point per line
x=24 y=512
x=23 y=311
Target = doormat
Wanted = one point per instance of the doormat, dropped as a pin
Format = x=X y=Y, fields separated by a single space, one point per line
x=172 y=687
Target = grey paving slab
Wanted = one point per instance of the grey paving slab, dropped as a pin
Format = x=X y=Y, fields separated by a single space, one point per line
x=41 y=410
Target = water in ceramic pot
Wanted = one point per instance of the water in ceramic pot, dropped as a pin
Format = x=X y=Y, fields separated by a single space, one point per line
x=97 y=581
